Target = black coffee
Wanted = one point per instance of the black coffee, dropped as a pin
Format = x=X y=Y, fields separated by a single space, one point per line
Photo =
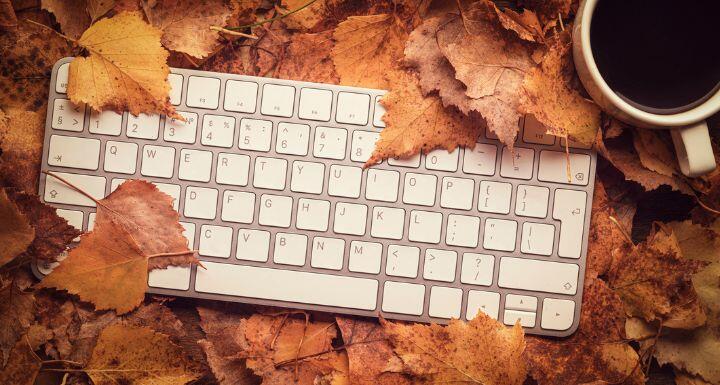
x=662 y=56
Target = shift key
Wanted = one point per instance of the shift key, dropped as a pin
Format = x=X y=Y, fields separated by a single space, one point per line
x=57 y=191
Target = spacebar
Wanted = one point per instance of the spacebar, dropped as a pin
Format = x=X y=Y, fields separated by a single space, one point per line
x=287 y=285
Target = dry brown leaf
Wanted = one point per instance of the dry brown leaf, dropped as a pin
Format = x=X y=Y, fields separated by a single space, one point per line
x=655 y=153
x=549 y=10
x=126 y=70
x=17 y=310
x=8 y=19
x=98 y=8
x=138 y=355
x=21 y=141
x=16 y=234
x=418 y=123
x=305 y=19
x=696 y=241
x=70 y=14
x=525 y=24
x=23 y=366
x=459 y=352
x=605 y=235
x=372 y=360
x=685 y=379
x=307 y=58
x=223 y=343
x=697 y=353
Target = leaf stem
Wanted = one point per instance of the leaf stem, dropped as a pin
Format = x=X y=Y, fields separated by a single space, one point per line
x=78 y=189
x=282 y=16
x=234 y=33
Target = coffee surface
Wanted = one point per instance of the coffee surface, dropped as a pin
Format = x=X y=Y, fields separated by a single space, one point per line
x=662 y=56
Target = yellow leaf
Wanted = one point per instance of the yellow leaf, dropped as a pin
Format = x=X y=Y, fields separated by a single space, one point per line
x=21 y=140
x=126 y=70
x=307 y=17
x=16 y=234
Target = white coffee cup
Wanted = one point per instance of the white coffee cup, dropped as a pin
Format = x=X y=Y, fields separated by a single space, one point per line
x=688 y=128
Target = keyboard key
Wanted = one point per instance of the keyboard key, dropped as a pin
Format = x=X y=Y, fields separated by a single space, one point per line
x=526 y=319
x=574 y=144
x=440 y=265
x=253 y=245
x=553 y=168
x=171 y=277
x=158 y=161
x=61 y=79
x=200 y=202
x=535 y=132
x=402 y=261
x=327 y=253
x=120 y=157
x=255 y=134
x=500 y=234
x=517 y=164
x=278 y=100
x=494 y=197
x=172 y=190
x=292 y=139
x=445 y=302
x=382 y=185
x=315 y=104
x=215 y=241
x=73 y=217
x=91 y=222
x=413 y=161
x=419 y=189
x=181 y=132
x=462 y=230
x=379 y=112
x=457 y=193
x=532 y=201
x=240 y=96
x=218 y=131
x=105 y=123
x=442 y=160
x=521 y=273
x=352 y=108
x=232 y=169
x=477 y=269
x=329 y=143
x=365 y=257
x=521 y=302
x=557 y=314
x=203 y=92
x=403 y=298
x=143 y=126
x=425 y=226
x=350 y=218
x=307 y=177
x=68 y=116
x=270 y=173
x=290 y=249
x=312 y=214
x=176 y=88
x=482 y=301
x=480 y=160
x=195 y=165
x=238 y=206
x=57 y=191
x=275 y=210
x=68 y=151
x=569 y=209
x=299 y=286
x=537 y=238
x=363 y=145
x=344 y=181
x=387 y=222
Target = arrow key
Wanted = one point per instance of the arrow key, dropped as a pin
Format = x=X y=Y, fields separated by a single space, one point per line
x=520 y=302
x=557 y=314
x=484 y=301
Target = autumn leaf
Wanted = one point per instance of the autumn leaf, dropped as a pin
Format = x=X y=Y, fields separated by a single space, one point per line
x=70 y=14
x=525 y=24
x=17 y=309
x=698 y=242
x=23 y=366
x=98 y=8
x=21 y=141
x=606 y=235
x=7 y=15
x=138 y=355
x=655 y=152
x=307 y=58
x=459 y=352
x=126 y=70
x=16 y=234
x=224 y=340
x=418 y=123
x=307 y=17
x=548 y=11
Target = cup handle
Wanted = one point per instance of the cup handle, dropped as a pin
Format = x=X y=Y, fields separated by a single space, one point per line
x=693 y=149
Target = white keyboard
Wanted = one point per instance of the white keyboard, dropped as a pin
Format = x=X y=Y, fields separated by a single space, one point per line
x=267 y=177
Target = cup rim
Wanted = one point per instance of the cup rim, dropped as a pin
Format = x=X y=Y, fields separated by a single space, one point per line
x=684 y=118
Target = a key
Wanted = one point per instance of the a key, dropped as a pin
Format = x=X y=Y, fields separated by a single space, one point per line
x=168 y=188
x=382 y=185
x=275 y=210
x=176 y=88
x=329 y=143
x=352 y=108
x=240 y=96
x=57 y=191
x=532 y=201
x=200 y=202
x=91 y=222
x=174 y=277
x=521 y=302
x=462 y=230
x=68 y=151
x=350 y=218
x=105 y=123
x=553 y=168
x=379 y=112
x=143 y=126
x=440 y=265
x=477 y=269
x=61 y=79
x=315 y=104
x=344 y=181
x=445 y=302
x=425 y=226
x=442 y=160
x=419 y=189
x=195 y=165
x=521 y=273
x=402 y=261
x=363 y=144
x=238 y=206
x=494 y=197
x=255 y=134
x=215 y=241
x=218 y=131
x=292 y=139
x=270 y=173
x=203 y=92
x=569 y=209
x=482 y=301
x=457 y=193
x=181 y=132
x=327 y=253
x=403 y=298
x=120 y=157
x=253 y=245
x=535 y=132
x=312 y=214
x=307 y=177
x=480 y=160
x=387 y=222
x=413 y=161
x=537 y=238
x=365 y=257
x=290 y=249
x=500 y=234
x=557 y=314
x=68 y=116
x=232 y=169
x=525 y=318
x=277 y=100
x=517 y=164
